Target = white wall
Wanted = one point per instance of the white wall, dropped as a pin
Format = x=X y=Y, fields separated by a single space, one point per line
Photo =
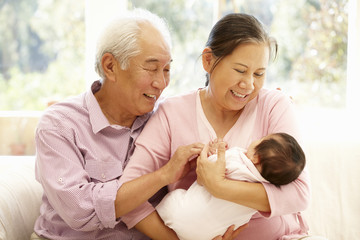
x=97 y=15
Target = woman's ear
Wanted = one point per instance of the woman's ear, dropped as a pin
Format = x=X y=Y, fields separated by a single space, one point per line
x=109 y=64
x=207 y=59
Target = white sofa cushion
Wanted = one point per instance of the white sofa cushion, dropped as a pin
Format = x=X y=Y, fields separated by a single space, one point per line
x=20 y=197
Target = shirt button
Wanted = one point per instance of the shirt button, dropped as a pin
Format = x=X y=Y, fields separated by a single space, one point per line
x=103 y=175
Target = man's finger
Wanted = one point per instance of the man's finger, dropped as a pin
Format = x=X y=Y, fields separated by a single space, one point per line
x=192 y=163
x=195 y=148
x=204 y=152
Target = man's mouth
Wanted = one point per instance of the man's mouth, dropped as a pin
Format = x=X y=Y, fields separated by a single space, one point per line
x=150 y=96
x=238 y=94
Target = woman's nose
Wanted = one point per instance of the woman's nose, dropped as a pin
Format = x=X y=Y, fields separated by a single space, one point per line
x=247 y=83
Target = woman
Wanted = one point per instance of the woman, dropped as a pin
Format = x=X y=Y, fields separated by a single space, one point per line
x=233 y=106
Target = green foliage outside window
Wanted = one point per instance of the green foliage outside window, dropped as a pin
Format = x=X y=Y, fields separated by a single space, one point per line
x=42 y=47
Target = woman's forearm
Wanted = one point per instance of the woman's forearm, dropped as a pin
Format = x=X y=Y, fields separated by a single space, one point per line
x=249 y=194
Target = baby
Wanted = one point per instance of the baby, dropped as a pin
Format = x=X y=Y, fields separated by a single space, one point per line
x=196 y=214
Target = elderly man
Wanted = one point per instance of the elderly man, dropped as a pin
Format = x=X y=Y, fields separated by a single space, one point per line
x=83 y=144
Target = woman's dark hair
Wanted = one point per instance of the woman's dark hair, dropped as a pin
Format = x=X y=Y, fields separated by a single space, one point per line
x=235 y=29
x=281 y=158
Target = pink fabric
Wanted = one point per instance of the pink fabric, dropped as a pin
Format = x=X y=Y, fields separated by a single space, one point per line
x=79 y=160
x=176 y=123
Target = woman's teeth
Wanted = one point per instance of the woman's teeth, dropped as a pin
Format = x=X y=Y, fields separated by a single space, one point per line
x=238 y=94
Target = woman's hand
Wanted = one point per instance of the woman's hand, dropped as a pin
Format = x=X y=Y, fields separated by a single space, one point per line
x=230 y=234
x=181 y=162
x=211 y=174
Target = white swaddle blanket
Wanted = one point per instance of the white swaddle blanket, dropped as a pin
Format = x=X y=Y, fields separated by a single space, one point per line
x=196 y=214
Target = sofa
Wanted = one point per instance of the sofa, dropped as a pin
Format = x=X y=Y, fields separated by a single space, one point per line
x=333 y=160
x=20 y=197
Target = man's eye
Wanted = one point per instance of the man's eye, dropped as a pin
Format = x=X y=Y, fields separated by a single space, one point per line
x=151 y=69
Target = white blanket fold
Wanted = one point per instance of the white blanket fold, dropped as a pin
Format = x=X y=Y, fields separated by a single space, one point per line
x=196 y=214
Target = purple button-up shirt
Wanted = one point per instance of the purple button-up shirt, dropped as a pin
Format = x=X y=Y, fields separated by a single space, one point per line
x=80 y=158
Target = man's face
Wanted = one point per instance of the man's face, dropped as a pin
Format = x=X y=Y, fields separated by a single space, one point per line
x=140 y=86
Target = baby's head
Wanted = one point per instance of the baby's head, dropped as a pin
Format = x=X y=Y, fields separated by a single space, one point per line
x=278 y=157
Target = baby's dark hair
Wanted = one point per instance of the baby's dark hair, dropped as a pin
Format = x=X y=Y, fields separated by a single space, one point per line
x=281 y=158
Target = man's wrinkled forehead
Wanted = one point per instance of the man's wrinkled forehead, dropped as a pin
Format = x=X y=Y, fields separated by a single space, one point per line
x=164 y=60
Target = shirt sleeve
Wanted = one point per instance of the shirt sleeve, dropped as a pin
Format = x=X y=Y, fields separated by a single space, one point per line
x=295 y=196
x=152 y=151
x=84 y=205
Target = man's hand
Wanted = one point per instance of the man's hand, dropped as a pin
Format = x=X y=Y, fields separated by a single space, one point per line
x=183 y=160
x=230 y=234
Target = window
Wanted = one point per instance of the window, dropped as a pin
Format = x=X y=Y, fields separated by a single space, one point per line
x=312 y=37
x=42 y=45
x=42 y=48
x=47 y=49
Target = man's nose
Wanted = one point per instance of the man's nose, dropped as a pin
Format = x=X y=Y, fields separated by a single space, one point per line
x=161 y=81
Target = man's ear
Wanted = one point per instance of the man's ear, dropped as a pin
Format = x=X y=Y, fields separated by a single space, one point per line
x=207 y=59
x=109 y=65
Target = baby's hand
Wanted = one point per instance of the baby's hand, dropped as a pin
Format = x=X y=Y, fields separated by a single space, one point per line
x=213 y=145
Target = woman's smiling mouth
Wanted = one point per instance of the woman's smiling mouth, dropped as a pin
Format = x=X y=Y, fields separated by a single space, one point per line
x=236 y=94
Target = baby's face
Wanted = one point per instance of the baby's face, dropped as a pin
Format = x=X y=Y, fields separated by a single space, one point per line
x=250 y=153
x=251 y=150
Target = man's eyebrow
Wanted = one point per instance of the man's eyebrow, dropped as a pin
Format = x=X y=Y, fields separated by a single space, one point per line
x=151 y=60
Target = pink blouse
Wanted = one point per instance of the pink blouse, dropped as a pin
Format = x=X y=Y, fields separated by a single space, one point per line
x=180 y=121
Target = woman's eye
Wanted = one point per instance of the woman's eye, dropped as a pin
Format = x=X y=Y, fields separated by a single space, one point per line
x=239 y=71
x=259 y=74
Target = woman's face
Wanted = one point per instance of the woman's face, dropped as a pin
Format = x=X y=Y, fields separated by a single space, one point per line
x=238 y=78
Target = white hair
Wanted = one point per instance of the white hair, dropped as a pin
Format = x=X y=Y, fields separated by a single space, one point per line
x=120 y=37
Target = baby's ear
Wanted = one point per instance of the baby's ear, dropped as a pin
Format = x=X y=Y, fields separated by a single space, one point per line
x=255 y=159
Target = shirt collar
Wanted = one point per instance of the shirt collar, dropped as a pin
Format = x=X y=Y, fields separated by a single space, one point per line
x=140 y=121
x=98 y=120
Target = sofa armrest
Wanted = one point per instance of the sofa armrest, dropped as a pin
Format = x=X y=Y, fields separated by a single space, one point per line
x=20 y=197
